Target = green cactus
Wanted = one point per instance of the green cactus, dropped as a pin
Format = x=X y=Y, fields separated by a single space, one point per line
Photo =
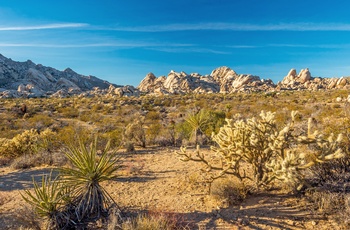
x=255 y=149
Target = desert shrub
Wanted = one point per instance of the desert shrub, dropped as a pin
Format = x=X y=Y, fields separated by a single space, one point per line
x=115 y=137
x=70 y=133
x=129 y=146
x=229 y=191
x=69 y=112
x=4 y=160
x=182 y=131
x=56 y=158
x=40 y=121
x=153 y=132
x=333 y=176
x=217 y=120
x=269 y=154
x=76 y=196
x=334 y=205
x=154 y=220
x=135 y=132
x=153 y=116
x=27 y=161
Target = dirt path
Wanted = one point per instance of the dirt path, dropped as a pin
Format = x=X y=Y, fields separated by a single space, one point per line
x=155 y=180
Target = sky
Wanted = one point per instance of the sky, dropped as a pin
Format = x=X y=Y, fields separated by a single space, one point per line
x=121 y=41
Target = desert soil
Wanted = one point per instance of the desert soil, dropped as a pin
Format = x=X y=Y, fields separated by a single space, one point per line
x=156 y=180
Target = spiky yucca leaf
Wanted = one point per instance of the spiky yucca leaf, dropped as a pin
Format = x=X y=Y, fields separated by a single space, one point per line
x=84 y=178
x=47 y=199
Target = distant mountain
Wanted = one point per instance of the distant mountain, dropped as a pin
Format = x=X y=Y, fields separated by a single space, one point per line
x=27 y=79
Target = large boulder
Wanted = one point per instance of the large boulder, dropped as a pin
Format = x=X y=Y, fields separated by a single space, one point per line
x=304 y=76
x=147 y=84
x=243 y=80
x=290 y=78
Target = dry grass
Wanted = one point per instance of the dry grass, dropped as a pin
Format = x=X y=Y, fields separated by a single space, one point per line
x=335 y=206
x=229 y=191
x=44 y=158
x=156 y=220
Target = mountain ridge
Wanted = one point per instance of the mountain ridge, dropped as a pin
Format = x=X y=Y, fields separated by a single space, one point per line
x=27 y=79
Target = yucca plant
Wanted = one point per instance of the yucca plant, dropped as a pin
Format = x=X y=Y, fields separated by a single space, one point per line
x=47 y=200
x=84 y=178
x=198 y=122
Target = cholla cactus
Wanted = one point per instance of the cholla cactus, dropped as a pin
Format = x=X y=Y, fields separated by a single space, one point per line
x=28 y=142
x=271 y=154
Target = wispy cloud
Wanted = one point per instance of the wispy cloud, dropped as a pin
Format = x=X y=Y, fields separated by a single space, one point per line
x=188 y=50
x=236 y=27
x=318 y=46
x=43 y=27
x=116 y=45
x=242 y=47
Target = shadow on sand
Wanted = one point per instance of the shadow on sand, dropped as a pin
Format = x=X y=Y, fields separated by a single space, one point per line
x=23 y=179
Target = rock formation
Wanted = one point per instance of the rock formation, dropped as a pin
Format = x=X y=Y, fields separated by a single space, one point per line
x=221 y=80
x=304 y=81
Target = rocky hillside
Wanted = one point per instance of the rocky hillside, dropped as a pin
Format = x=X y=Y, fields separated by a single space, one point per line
x=27 y=79
x=226 y=80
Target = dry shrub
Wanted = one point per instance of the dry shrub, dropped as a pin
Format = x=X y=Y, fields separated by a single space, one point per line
x=229 y=191
x=4 y=160
x=332 y=176
x=156 y=220
x=195 y=181
x=334 y=205
x=129 y=147
x=43 y=158
x=26 y=161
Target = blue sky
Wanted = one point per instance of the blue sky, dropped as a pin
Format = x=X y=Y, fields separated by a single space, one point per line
x=121 y=41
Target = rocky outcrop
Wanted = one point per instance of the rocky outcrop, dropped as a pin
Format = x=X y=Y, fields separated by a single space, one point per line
x=125 y=91
x=304 y=81
x=26 y=79
x=221 y=80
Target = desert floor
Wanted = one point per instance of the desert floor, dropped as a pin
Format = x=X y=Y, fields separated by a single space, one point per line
x=155 y=180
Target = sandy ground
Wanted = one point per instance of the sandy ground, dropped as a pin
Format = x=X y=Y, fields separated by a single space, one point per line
x=156 y=180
